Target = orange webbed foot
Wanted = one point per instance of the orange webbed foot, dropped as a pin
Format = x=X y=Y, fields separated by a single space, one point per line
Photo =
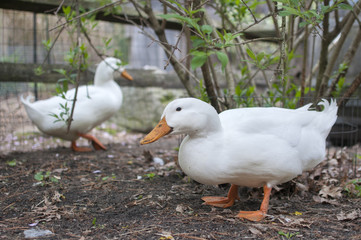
x=98 y=145
x=95 y=142
x=259 y=215
x=254 y=216
x=75 y=148
x=223 y=202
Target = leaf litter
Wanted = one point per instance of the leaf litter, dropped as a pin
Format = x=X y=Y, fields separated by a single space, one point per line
x=133 y=196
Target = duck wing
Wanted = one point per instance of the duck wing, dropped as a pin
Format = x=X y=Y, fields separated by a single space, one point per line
x=287 y=124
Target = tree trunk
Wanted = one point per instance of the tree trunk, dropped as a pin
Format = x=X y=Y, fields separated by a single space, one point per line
x=209 y=86
x=346 y=60
x=324 y=53
x=355 y=84
x=336 y=52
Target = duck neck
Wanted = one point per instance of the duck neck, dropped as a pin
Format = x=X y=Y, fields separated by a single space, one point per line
x=103 y=75
x=212 y=126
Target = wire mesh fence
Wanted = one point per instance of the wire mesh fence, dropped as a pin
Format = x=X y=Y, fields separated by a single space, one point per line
x=21 y=41
x=24 y=36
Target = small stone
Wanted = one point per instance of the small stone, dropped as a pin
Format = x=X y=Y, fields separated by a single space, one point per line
x=35 y=232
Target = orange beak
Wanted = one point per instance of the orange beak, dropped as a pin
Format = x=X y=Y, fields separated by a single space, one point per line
x=158 y=131
x=126 y=75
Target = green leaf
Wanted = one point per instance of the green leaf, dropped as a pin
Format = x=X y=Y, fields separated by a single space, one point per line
x=39 y=176
x=251 y=54
x=107 y=42
x=190 y=21
x=11 y=163
x=61 y=71
x=38 y=71
x=54 y=180
x=244 y=70
x=47 y=174
x=238 y=90
x=198 y=53
x=313 y=13
x=47 y=44
x=223 y=58
x=291 y=10
x=179 y=5
x=207 y=29
x=341 y=81
x=302 y=24
x=198 y=61
x=324 y=8
x=284 y=13
x=345 y=6
x=229 y=37
x=260 y=56
x=220 y=35
x=198 y=42
x=66 y=10
x=250 y=90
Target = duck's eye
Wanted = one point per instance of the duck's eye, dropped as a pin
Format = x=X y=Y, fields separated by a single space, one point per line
x=178 y=109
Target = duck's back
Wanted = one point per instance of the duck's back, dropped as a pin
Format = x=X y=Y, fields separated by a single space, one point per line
x=299 y=130
x=93 y=106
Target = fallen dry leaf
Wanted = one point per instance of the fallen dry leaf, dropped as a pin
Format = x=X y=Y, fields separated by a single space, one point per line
x=294 y=221
x=165 y=235
x=349 y=216
x=325 y=200
x=255 y=231
x=180 y=208
x=57 y=197
x=330 y=191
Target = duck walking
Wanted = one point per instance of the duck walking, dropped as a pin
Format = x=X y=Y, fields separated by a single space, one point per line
x=94 y=105
x=253 y=147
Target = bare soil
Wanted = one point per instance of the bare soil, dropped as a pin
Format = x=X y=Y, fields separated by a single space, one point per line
x=122 y=194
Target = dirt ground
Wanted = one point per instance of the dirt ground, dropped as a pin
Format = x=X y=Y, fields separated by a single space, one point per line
x=122 y=193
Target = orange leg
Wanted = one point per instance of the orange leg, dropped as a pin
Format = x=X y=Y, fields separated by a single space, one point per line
x=79 y=149
x=260 y=214
x=223 y=201
x=95 y=142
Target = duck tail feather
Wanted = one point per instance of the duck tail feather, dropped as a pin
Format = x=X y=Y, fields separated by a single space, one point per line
x=31 y=110
x=329 y=114
x=27 y=100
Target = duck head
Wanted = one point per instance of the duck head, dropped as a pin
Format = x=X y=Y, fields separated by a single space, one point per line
x=106 y=68
x=185 y=116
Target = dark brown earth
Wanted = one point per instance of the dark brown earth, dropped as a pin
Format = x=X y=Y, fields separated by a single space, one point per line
x=121 y=194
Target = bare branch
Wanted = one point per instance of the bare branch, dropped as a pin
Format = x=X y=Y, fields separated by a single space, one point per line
x=255 y=23
x=52 y=46
x=166 y=3
x=260 y=39
x=332 y=60
x=254 y=18
x=274 y=17
x=87 y=13
x=325 y=41
x=177 y=65
x=60 y=6
x=354 y=86
x=176 y=46
x=346 y=60
x=79 y=56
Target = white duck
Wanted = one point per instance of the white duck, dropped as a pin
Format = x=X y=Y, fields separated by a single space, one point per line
x=251 y=147
x=94 y=105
